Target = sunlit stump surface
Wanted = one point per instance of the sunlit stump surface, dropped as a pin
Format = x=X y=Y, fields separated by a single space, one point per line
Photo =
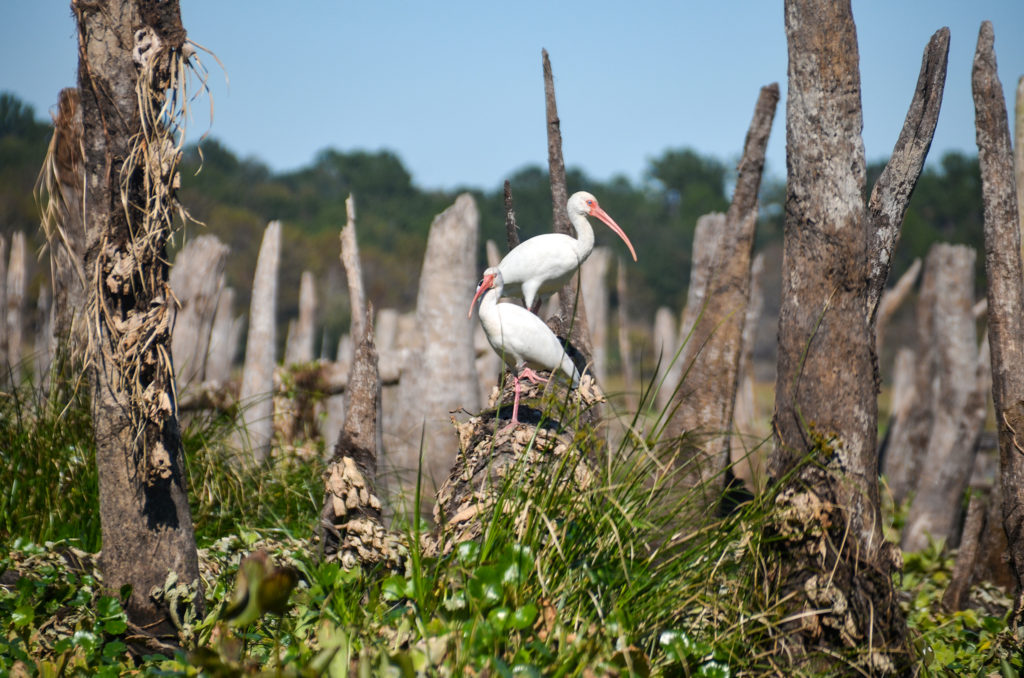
x=551 y=448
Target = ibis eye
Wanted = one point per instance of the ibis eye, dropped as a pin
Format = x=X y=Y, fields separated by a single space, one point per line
x=590 y=202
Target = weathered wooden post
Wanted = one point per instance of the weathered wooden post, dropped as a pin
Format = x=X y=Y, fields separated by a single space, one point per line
x=256 y=393
x=1005 y=292
x=441 y=374
x=197 y=280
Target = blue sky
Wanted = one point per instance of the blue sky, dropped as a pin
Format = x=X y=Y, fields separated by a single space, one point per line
x=455 y=89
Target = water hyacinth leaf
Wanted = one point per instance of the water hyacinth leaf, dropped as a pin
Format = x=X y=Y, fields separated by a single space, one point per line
x=23 y=616
x=468 y=553
x=714 y=670
x=486 y=586
x=677 y=645
x=499 y=617
x=523 y=617
x=397 y=587
x=114 y=648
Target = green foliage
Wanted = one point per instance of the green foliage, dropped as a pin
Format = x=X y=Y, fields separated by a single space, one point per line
x=971 y=642
x=48 y=471
x=56 y=620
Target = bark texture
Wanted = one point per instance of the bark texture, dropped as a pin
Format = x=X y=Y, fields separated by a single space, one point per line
x=258 y=371
x=711 y=357
x=891 y=193
x=351 y=527
x=572 y=308
x=224 y=337
x=197 y=281
x=126 y=49
x=1005 y=291
x=299 y=347
x=836 y=257
x=594 y=290
x=440 y=377
x=625 y=345
x=957 y=402
x=911 y=427
x=665 y=346
x=892 y=299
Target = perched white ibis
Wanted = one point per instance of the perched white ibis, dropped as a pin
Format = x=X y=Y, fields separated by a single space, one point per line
x=519 y=337
x=545 y=262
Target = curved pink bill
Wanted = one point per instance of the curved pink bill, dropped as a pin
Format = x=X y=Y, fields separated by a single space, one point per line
x=485 y=285
x=596 y=211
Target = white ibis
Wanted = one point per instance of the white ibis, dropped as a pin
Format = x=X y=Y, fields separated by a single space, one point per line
x=519 y=337
x=545 y=262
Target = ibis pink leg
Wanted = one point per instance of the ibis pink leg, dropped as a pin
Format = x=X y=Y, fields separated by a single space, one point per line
x=533 y=377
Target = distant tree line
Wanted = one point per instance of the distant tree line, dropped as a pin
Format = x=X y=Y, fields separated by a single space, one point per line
x=235 y=197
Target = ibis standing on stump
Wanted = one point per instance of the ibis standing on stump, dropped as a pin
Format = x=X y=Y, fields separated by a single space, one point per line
x=545 y=262
x=521 y=338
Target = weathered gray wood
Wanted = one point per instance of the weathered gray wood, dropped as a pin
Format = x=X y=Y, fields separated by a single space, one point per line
x=257 y=387
x=224 y=337
x=666 y=343
x=705 y=403
x=299 y=346
x=892 y=190
x=826 y=380
x=351 y=529
x=511 y=229
x=594 y=289
x=1018 y=147
x=1005 y=290
x=493 y=254
x=572 y=306
x=44 y=344
x=197 y=280
x=956 y=595
x=126 y=50
x=892 y=299
x=17 y=279
x=353 y=269
x=440 y=376
x=703 y=257
x=910 y=430
x=745 y=414
x=952 y=442
x=625 y=345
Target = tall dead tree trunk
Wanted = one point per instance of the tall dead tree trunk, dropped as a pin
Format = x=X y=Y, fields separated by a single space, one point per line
x=299 y=346
x=129 y=50
x=573 y=310
x=836 y=257
x=1005 y=291
x=441 y=375
x=197 y=280
x=256 y=393
x=948 y=458
x=625 y=346
x=892 y=299
x=17 y=278
x=911 y=427
x=712 y=353
x=593 y=280
x=224 y=337
x=666 y=343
